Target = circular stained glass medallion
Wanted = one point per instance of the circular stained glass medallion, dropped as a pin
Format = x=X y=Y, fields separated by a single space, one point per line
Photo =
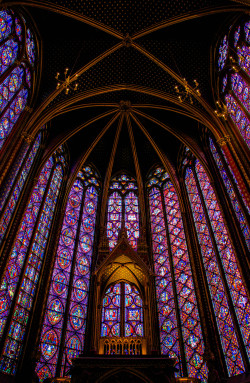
x=55 y=311
x=88 y=224
x=67 y=236
x=85 y=243
x=49 y=344
x=71 y=217
x=80 y=290
x=64 y=258
x=75 y=200
x=83 y=266
x=59 y=283
x=90 y=208
x=77 y=317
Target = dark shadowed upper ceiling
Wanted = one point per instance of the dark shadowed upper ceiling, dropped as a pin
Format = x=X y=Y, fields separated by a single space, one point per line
x=129 y=55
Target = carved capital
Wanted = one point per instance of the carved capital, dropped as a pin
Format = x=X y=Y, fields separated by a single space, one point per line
x=27 y=137
x=224 y=140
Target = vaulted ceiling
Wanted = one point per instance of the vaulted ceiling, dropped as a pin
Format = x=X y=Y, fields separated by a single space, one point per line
x=129 y=57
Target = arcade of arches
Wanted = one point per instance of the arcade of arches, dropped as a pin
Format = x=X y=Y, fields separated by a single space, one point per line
x=124 y=190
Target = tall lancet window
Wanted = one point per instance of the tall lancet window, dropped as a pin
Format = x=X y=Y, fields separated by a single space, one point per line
x=241 y=209
x=63 y=330
x=13 y=185
x=228 y=294
x=17 y=45
x=234 y=52
x=19 y=282
x=180 y=328
x=123 y=209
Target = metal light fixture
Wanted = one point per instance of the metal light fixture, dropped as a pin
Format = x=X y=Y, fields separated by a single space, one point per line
x=186 y=94
x=66 y=83
x=221 y=110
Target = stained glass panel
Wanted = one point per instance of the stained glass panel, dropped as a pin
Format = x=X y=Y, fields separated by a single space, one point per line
x=12 y=114
x=30 y=246
x=132 y=218
x=111 y=312
x=241 y=90
x=133 y=312
x=232 y=272
x=114 y=218
x=239 y=118
x=247 y=31
x=244 y=58
x=5 y=24
x=236 y=36
x=57 y=300
x=8 y=54
x=231 y=193
x=75 y=332
x=223 y=316
x=169 y=336
x=223 y=52
x=68 y=294
x=16 y=190
x=14 y=90
x=189 y=315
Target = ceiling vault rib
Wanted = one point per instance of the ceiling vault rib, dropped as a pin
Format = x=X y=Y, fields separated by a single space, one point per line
x=171 y=109
x=200 y=99
x=64 y=138
x=182 y=138
x=165 y=127
x=162 y=157
x=91 y=148
x=109 y=171
x=53 y=110
x=72 y=132
x=90 y=105
x=138 y=172
x=66 y=12
x=186 y=17
x=56 y=92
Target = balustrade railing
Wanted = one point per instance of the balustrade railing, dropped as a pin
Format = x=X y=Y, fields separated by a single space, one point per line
x=123 y=346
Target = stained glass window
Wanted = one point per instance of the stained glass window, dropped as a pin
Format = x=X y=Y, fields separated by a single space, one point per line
x=211 y=230
x=174 y=277
x=122 y=311
x=231 y=193
x=15 y=89
x=25 y=261
x=14 y=183
x=65 y=316
x=236 y=91
x=223 y=52
x=111 y=312
x=123 y=208
x=247 y=31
